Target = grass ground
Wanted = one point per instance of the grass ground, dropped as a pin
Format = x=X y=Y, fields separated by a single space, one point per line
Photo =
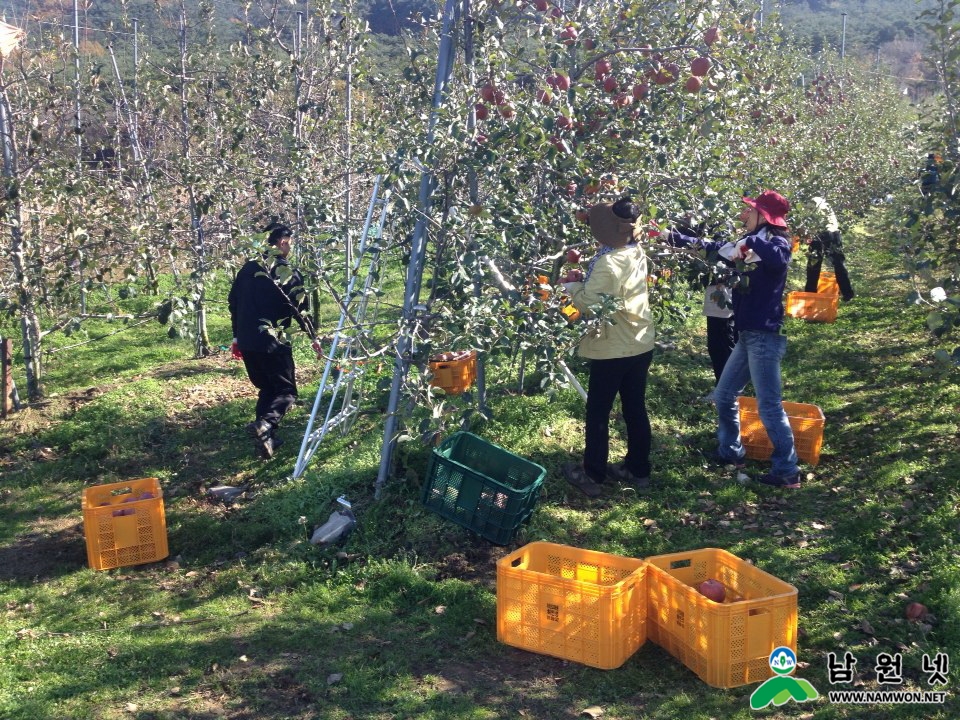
x=247 y=620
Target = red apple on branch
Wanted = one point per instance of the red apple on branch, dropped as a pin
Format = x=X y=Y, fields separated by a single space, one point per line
x=640 y=91
x=711 y=35
x=573 y=255
x=487 y=92
x=610 y=84
x=693 y=84
x=700 y=66
x=569 y=34
x=481 y=111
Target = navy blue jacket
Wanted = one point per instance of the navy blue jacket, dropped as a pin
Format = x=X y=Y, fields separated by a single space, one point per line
x=257 y=300
x=759 y=305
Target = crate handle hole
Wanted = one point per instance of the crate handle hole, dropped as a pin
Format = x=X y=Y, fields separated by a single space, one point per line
x=759 y=611
x=517 y=562
x=122 y=491
x=680 y=564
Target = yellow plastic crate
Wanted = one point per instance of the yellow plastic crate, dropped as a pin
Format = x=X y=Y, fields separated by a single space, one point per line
x=124 y=523
x=580 y=605
x=806 y=421
x=726 y=644
x=455 y=375
x=827 y=284
x=812 y=306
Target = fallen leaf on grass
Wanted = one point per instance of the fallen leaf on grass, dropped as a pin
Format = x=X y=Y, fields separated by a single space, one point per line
x=334 y=678
x=867 y=627
x=440 y=609
x=131 y=707
x=594 y=711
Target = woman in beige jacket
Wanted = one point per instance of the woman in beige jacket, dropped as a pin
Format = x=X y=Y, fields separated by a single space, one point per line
x=619 y=347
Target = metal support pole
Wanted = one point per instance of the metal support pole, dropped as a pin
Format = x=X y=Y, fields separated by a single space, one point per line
x=78 y=128
x=76 y=49
x=469 y=59
x=347 y=151
x=843 y=37
x=411 y=296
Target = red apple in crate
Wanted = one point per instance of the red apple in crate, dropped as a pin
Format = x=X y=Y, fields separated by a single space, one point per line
x=713 y=590
x=573 y=255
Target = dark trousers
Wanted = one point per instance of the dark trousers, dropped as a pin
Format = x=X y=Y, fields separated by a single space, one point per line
x=721 y=337
x=273 y=373
x=608 y=378
x=828 y=244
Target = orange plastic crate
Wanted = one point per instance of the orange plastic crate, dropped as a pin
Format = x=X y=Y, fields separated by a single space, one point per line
x=827 y=284
x=454 y=376
x=122 y=531
x=726 y=644
x=580 y=605
x=806 y=421
x=812 y=306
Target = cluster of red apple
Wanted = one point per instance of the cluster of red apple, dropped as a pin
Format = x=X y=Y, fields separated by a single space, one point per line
x=574 y=274
x=451 y=356
x=660 y=72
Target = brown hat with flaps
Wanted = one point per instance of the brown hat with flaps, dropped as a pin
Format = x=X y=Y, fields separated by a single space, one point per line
x=609 y=228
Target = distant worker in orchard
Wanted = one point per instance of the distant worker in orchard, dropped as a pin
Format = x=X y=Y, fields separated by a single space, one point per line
x=620 y=349
x=827 y=242
x=930 y=176
x=266 y=297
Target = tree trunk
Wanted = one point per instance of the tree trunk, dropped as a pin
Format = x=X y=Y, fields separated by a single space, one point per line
x=29 y=320
x=196 y=221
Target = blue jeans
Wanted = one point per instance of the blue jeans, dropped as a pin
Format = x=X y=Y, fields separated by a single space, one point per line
x=756 y=358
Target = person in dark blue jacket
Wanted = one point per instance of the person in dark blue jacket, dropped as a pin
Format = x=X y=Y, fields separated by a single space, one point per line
x=266 y=296
x=763 y=256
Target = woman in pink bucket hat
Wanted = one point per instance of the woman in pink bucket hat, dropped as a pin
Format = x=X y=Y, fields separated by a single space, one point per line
x=762 y=256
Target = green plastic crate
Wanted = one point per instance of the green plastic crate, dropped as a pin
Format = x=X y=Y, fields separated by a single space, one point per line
x=481 y=486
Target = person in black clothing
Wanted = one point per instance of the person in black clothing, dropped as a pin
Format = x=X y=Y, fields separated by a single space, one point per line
x=930 y=176
x=717 y=299
x=830 y=243
x=267 y=294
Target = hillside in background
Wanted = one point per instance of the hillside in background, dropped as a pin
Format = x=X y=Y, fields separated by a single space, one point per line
x=885 y=33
